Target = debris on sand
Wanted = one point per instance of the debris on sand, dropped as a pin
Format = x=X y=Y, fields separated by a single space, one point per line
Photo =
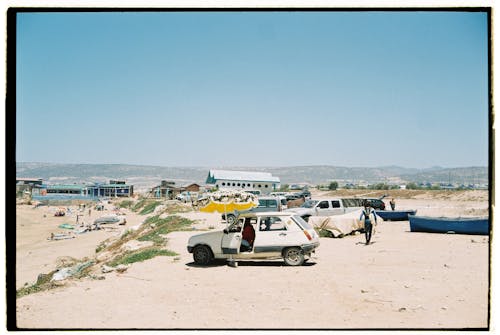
x=55 y=237
x=67 y=272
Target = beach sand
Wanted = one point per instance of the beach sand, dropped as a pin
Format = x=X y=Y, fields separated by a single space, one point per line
x=403 y=280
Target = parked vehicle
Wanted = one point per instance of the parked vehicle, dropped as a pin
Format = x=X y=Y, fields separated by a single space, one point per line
x=255 y=192
x=293 y=196
x=376 y=203
x=279 y=193
x=266 y=204
x=324 y=207
x=187 y=196
x=277 y=235
x=60 y=212
x=283 y=201
x=305 y=193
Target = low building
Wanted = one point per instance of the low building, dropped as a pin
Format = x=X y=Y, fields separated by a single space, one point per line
x=192 y=187
x=26 y=186
x=66 y=189
x=29 y=181
x=243 y=180
x=166 y=189
x=110 y=190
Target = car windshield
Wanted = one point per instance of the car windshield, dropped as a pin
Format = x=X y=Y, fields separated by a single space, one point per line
x=303 y=223
x=309 y=203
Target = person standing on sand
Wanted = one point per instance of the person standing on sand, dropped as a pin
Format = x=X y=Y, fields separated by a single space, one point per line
x=368 y=213
x=393 y=204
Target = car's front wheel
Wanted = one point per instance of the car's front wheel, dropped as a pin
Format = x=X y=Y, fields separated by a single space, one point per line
x=293 y=256
x=202 y=255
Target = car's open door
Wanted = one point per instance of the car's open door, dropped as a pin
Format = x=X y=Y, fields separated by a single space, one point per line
x=231 y=239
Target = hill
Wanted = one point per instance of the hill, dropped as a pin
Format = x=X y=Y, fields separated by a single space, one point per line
x=147 y=176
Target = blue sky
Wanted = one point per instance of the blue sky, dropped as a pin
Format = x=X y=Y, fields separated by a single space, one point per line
x=253 y=88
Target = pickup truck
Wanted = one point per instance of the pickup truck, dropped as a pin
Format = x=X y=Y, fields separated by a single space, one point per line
x=324 y=207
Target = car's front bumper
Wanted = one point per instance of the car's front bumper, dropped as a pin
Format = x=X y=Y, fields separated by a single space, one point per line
x=190 y=249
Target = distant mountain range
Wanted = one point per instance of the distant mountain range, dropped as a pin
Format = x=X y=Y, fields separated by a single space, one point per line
x=143 y=177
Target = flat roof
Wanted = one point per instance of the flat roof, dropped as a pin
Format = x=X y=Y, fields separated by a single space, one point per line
x=243 y=176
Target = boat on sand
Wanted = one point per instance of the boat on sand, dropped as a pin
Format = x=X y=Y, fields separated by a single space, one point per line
x=460 y=225
x=401 y=215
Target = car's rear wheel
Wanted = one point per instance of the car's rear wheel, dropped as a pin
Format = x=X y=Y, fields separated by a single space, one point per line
x=293 y=256
x=202 y=255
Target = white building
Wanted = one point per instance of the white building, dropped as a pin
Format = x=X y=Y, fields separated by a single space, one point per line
x=243 y=180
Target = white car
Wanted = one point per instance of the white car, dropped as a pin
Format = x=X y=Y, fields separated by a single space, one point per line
x=186 y=196
x=277 y=235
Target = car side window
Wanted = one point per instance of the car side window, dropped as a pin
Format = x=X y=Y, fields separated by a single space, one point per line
x=323 y=204
x=271 y=223
x=262 y=203
x=335 y=204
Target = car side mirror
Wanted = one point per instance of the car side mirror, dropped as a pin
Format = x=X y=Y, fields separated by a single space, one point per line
x=225 y=231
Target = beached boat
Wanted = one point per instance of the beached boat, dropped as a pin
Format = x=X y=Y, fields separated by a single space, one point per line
x=395 y=215
x=112 y=218
x=461 y=225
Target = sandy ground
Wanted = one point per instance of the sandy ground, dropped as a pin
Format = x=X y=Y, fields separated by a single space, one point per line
x=403 y=280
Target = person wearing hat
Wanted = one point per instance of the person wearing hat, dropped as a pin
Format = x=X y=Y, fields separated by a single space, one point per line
x=368 y=214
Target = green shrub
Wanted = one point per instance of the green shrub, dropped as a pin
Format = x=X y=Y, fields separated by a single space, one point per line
x=42 y=283
x=149 y=208
x=125 y=204
x=324 y=233
x=163 y=227
x=140 y=256
x=100 y=247
x=139 y=205
x=333 y=186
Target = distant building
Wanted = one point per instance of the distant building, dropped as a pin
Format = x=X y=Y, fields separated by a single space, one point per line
x=192 y=187
x=66 y=189
x=82 y=191
x=29 y=181
x=27 y=186
x=110 y=190
x=243 y=180
x=166 y=189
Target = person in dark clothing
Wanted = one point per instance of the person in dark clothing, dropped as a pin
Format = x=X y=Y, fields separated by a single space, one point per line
x=393 y=204
x=248 y=235
x=368 y=214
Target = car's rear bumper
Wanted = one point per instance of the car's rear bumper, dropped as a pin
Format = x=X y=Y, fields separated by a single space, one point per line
x=308 y=248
